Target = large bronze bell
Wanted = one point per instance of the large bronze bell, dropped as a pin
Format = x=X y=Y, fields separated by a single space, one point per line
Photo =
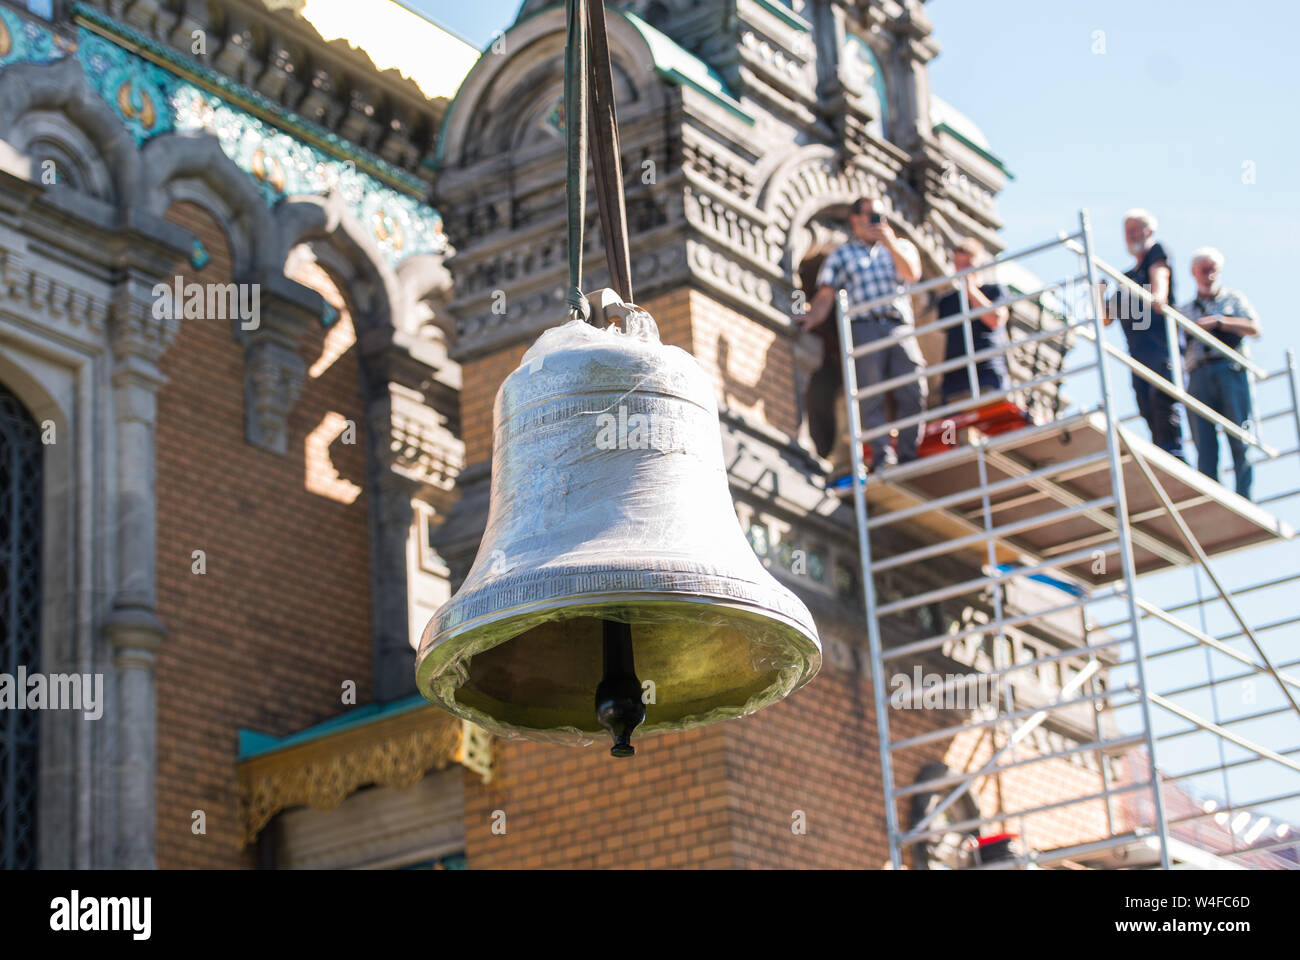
x=613 y=576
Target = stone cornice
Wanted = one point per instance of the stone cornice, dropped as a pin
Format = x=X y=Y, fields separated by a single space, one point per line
x=432 y=457
x=42 y=295
x=288 y=62
x=363 y=140
x=90 y=235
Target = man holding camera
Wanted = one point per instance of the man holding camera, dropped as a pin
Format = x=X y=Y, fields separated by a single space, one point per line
x=876 y=262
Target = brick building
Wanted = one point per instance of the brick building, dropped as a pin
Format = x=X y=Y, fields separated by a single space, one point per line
x=246 y=516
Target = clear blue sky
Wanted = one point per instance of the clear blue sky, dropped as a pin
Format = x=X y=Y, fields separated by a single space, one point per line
x=1186 y=92
x=474 y=20
x=1113 y=104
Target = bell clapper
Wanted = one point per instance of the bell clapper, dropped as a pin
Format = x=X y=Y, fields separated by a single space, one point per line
x=619 y=708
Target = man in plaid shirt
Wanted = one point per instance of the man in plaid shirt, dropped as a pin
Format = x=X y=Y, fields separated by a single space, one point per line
x=874 y=263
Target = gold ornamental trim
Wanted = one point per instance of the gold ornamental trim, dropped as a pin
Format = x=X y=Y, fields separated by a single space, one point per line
x=323 y=772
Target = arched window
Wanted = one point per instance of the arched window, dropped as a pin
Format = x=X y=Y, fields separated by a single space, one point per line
x=52 y=163
x=20 y=627
x=862 y=77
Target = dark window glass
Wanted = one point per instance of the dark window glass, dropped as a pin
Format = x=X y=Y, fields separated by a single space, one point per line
x=20 y=627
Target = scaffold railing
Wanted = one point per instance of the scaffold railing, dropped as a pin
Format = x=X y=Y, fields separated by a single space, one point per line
x=1052 y=561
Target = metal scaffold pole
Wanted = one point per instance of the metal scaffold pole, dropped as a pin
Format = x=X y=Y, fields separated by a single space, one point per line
x=1125 y=534
x=868 y=580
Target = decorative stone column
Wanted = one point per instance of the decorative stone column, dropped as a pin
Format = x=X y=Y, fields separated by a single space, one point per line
x=397 y=388
x=273 y=376
x=391 y=515
x=274 y=369
x=132 y=627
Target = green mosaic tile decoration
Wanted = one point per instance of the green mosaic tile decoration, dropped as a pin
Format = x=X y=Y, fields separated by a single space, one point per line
x=152 y=100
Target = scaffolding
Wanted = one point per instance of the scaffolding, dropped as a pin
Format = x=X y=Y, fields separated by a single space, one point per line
x=1123 y=725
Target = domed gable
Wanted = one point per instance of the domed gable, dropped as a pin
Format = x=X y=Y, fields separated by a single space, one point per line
x=947 y=119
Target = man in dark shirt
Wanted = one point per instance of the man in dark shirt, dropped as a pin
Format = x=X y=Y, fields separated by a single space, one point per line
x=1216 y=380
x=1144 y=328
x=987 y=330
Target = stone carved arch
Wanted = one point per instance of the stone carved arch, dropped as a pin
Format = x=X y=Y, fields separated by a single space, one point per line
x=807 y=199
x=53 y=102
x=805 y=186
x=387 y=306
x=813 y=183
x=340 y=241
x=501 y=91
x=46 y=137
x=192 y=166
x=427 y=289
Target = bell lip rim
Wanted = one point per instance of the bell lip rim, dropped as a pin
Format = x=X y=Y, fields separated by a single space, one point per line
x=577 y=737
x=436 y=665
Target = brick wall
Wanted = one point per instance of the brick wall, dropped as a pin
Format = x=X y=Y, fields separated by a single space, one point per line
x=728 y=795
x=577 y=807
x=265 y=639
x=752 y=365
x=817 y=753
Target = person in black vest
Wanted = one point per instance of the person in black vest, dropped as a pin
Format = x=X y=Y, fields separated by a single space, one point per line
x=1144 y=328
x=987 y=330
x=1217 y=381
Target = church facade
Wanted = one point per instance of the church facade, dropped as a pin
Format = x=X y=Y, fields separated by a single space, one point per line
x=259 y=291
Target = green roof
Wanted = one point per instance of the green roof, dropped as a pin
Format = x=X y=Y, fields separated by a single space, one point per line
x=675 y=64
x=946 y=118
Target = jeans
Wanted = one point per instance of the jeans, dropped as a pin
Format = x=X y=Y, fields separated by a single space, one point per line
x=901 y=357
x=823 y=398
x=1224 y=387
x=1163 y=414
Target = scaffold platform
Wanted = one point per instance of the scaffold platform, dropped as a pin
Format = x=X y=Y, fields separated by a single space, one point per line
x=1039 y=477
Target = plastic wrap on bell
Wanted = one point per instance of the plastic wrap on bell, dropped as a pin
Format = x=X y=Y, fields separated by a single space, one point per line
x=610 y=502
